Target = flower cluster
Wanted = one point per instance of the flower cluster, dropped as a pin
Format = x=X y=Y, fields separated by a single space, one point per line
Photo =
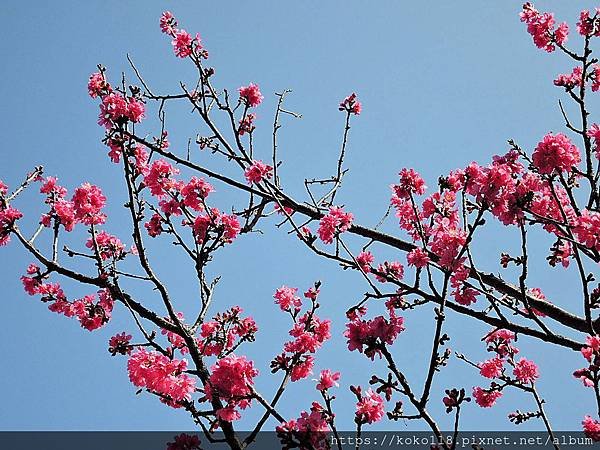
x=370 y=336
x=369 y=408
x=287 y=299
x=556 y=152
x=591 y=428
x=107 y=245
x=590 y=375
x=570 y=80
x=327 y=380
x=120 y=344
x=184 y=441
x=251 y=95
x=230 y=380
x=257 y=172
x=332 y=224
x=91 y=313
x=309 y=333
x=183 y=43
x=351 y=105
x=8 y=216
x=525 y=371
x=162 y=375
x=84 y=207
x=225 y=332
x=410 y=184
x=117 y=110
x=309 y=431
x=588 y=25
x=542 y=27
x=246 y=124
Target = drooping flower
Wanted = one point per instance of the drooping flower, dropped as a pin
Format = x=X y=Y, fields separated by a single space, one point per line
x=231 y=380
x=119 y=343
x=370 y=408
x=486 y=398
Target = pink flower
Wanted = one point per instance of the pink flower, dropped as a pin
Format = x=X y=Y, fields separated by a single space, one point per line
x=588 y=26
x=154 y=226
x=98 y=86
x=351 y=105
x=310 y=332
x=370 y=408
x=311 y=428
x=88 y=202
x=393 y=270
x=596 y=78
x=302 y=369
x=591 y=428
x=184 y=441
x=410 y=183
x=541 y=26
x=93 y=315
x=569 y=81
x=366 y=335
x=119 y=343
x=492 y=368
x=113 y=109
x=8 y=217
x=247 y=124
x=109 y=246
x=465 y=296
x=555 y=152
x=417 y=258
x=526 y=371
x=286 y=298
x=135 y=110
x=486 y=398
x=257 y=172
x=160 y=178
x=335 y=222
x=231 y=227
x=327 y=380
x=230 y=379
x=182 y=43
x=195 y=192
x=3 y=188
x=591 y=348
x=364 y=260
x=251 y=95
x=594 y=133
x=168 y=23
x=587 y=229
x=161 y=374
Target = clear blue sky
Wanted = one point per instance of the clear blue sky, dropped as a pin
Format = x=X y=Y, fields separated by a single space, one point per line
x=442 y=84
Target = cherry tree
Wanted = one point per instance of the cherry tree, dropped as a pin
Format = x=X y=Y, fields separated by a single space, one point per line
x=197 y=364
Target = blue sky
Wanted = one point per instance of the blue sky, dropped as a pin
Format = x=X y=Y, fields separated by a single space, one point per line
x=442 y=84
